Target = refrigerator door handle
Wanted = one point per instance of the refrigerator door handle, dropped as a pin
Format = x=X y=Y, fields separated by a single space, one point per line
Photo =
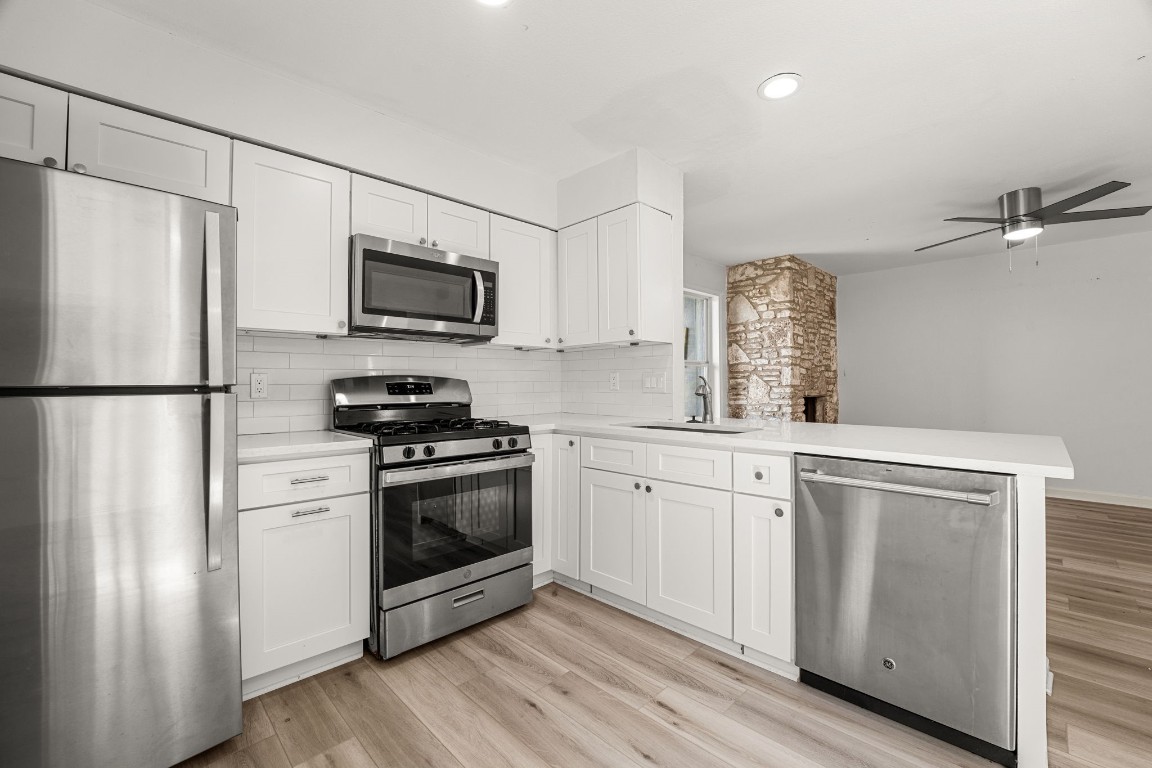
x=217 y=405
x=212 y=277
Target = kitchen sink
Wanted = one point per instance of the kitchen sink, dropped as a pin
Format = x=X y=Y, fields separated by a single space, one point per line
x=684 y=426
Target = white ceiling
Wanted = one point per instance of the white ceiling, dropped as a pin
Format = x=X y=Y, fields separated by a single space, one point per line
x=910 y=112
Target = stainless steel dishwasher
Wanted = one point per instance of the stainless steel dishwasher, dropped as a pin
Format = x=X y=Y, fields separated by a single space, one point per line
x=905 y=595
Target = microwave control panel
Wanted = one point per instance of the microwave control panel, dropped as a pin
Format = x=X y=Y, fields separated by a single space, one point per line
x=488 y=317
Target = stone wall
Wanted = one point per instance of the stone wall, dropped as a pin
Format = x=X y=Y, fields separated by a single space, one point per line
x=781 y=340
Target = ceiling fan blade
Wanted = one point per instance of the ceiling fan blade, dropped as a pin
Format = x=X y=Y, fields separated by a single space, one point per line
x=1075 y=201
x=1111 y=213
x=978 y=220
x=965 y=237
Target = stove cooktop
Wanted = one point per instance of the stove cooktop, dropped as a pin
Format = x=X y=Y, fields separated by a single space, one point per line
x=403 y=432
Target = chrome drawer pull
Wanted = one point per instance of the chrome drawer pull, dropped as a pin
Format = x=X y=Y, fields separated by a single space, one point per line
x=983 y=498
x=301 y=480
x=471 y=597
x=317 y=511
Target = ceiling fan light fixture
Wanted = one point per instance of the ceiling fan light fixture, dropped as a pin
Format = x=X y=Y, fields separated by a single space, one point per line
x=1022 y=230
x=778 y=86
x=493 y=3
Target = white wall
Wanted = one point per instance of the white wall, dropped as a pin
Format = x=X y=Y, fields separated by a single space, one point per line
x=1063 y=348
x=83 y=47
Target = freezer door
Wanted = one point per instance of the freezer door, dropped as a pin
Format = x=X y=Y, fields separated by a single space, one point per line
x=107 y=284
x=910 y=598
x=119 y=645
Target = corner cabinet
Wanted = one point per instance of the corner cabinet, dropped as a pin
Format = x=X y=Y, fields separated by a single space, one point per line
x=576 y=301
x=33 y=122
x=119 y=144
x=527 y=258
x=292 y=250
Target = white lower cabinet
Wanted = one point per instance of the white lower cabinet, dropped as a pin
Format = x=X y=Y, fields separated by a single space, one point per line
x=543 y=479
x=762 y=574
x=303 y=581
x=689 y=554
x=612 y=538
x=566 y=503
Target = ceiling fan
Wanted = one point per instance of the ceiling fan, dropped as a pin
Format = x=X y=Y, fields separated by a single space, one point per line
x=1023 y=215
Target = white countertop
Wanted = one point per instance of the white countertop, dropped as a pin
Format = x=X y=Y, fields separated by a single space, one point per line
x=295 y=445
x=1041 y=455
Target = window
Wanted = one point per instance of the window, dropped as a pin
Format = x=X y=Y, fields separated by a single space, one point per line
x=701 y=323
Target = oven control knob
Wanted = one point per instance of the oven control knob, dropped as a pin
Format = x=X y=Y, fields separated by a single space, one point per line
x=496 y=444
x=429 y=451
x=513 y=442
x=409 y=452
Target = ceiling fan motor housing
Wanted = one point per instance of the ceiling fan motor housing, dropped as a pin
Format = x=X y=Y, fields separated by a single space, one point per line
x=1018 y=204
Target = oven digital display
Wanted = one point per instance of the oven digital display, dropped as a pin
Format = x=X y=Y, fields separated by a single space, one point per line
x=409 y=388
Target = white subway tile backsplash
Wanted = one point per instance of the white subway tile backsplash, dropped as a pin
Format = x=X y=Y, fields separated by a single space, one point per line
x=506 y=383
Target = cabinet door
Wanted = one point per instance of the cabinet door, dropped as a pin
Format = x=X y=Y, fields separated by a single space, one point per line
x=458 y=228
x=612 y=543
x=116 y=143
x=566 y=503
x=690 y=554
x=527 y=306
x=303 y=581
x=386 y=210
x=576 y=290
x=618 y=236
x=762 y=574
x=543 y=480
x=33 y=122
x=292 y=254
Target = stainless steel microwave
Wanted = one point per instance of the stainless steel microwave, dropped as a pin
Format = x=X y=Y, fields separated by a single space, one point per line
x=400 y=290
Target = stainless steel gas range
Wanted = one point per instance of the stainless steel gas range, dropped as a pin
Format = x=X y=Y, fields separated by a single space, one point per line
x=452 y=507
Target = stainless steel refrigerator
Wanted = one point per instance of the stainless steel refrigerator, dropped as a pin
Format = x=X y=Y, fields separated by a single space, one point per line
x=119 y=598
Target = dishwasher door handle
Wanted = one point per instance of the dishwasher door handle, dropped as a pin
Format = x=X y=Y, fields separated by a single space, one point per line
x=983 y=498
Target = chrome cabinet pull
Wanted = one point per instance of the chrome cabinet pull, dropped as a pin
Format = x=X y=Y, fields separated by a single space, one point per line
x=316 y=511
x=759 y=475
x=637 y=486
x=434 y=243
x=423 y=241
x=215 y=543
x=50 y=162
x=631 y=333
x=471 y=597
x=80 y=168
x=983 y=498
x=302 y=480
x=571 y=443
x=648 y=488
x=779 y=512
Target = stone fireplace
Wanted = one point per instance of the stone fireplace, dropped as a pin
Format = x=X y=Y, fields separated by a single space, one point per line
x=782 y=341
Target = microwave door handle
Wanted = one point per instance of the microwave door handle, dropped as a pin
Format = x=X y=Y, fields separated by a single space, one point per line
x=478 y=286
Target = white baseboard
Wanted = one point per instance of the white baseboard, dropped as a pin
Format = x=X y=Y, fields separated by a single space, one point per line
x=278 y=678
x=541 y=579
x=1099 y=497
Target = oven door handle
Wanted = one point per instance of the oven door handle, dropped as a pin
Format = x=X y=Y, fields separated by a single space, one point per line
x=478 y=284
x=392 y=477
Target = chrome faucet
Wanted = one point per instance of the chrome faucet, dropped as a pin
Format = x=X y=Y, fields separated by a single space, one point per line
x=703 y=390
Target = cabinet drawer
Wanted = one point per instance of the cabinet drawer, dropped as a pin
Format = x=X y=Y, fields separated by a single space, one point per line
x=613 y=455
x=694 y=466
x=287 y=482
x=762 y=475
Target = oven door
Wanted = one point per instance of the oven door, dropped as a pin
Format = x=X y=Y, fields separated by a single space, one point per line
x=399 y=287
x=441 y=526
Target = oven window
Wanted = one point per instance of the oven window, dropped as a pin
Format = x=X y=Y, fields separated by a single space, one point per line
x=402 y=286
x=436 y=526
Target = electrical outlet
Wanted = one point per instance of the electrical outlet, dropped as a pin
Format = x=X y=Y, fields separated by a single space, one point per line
x=614 y=381
x=259 y=388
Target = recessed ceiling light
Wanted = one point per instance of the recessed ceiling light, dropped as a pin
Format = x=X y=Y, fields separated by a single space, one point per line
x=493 y=3
x=779 y=86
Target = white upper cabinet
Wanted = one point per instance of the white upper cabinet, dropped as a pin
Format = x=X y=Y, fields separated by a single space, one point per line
x=33 y=122
x=458 y=228
x=292 y=255
x=527 y=300
x=636 y=289
x=577 y=292
x=116 y=143
x=762 y=574
x=390 y=211
x=690 y=554
x=398 y=213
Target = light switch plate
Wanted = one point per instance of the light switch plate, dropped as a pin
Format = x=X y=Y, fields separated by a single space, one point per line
x=259 y=388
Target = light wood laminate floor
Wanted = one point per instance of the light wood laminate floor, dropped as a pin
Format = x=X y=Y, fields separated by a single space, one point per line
x=568 y=681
